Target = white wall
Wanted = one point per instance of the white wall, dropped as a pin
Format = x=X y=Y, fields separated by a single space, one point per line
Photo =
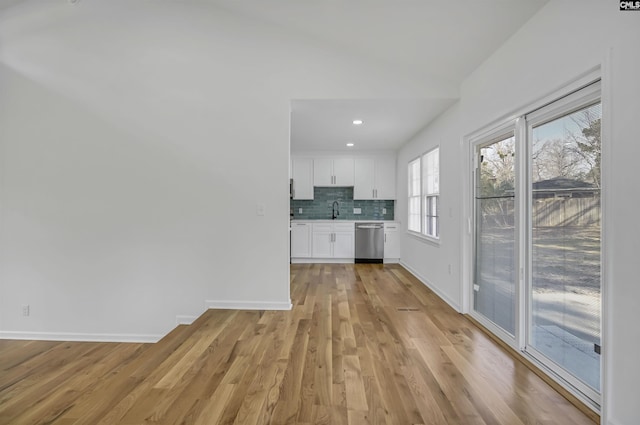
x=563 y=41
x=136 y=140
x=427 y=260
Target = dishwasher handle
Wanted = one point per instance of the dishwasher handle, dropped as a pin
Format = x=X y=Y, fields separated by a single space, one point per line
x=369 y=226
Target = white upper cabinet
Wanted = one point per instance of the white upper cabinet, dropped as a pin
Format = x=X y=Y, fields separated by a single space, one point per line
x=385 y=178
x=375 y=178
x=302 y=174
x=363 y=187
x=322 y=172
x=343 y=171
x=333 y=172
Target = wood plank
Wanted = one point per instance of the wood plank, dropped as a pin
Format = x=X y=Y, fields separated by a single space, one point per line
x=363 y=344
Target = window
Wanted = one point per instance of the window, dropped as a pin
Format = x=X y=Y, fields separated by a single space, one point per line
x=424 y=194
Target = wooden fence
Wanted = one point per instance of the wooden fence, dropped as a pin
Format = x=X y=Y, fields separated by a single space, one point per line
x=554 y=212
x=547 y=212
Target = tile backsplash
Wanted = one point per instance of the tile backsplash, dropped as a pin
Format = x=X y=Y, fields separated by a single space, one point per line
x=320 y=208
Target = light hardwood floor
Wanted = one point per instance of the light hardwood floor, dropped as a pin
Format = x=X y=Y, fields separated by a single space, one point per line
x=364 y=344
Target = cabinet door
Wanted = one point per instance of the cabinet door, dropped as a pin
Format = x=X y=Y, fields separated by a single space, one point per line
x=385 y=178
x=302 y=172
x=322 y=172
x=300 y=240
x=391 y=241
x=363 y=178
x=344 y=245
x=343 y=171
x=322 y=244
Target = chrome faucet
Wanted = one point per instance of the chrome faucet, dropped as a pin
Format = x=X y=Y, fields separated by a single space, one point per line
x=335 y=210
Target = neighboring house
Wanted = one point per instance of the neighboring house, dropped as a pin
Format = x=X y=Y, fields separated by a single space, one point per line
x=562 y=188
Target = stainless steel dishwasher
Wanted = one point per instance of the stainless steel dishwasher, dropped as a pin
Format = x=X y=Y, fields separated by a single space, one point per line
x=369 y=243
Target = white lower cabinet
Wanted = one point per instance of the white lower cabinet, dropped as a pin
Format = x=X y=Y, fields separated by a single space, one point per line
x=344 y=242
x=333 y=240
x=391 y=242
x=322 y=246
x=300 y=240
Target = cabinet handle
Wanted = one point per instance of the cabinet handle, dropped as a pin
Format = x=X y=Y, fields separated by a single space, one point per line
x=385 y=238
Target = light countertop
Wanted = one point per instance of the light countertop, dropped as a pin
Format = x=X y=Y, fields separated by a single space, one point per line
x=311 y=220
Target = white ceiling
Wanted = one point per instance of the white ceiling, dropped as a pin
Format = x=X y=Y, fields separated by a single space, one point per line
x=443 y=40
x=438 y=40
x=388 y=123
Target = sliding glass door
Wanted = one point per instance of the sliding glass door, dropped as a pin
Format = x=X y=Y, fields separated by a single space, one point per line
x=537 y=237
x=565 y=218
x=495 y=268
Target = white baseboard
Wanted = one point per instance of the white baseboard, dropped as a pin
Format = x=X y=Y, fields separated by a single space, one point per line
x=185 y=320
x=322 y=261
x=391 y=261
x=80 y=337
x=455 y=305
x=247 y=305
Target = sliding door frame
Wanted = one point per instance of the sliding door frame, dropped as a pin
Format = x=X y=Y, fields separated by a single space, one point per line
x=515 y=122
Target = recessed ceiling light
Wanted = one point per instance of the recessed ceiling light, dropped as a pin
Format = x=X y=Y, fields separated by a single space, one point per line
x=350 y=145
x=357 y=122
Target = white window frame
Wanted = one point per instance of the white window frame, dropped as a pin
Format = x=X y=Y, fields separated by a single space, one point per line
x=425 y=195
x=411 y=196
